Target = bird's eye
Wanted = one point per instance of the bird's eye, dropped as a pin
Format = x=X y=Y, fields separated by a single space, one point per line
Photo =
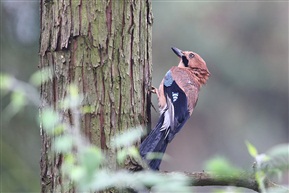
x=191 y=55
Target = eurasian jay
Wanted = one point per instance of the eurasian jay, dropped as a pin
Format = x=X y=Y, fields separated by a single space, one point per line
x=177 y=96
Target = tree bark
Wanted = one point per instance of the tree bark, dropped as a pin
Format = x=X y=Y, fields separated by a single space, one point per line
x=104 y=46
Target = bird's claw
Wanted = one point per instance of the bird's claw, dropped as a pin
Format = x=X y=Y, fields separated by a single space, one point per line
x=154 y=90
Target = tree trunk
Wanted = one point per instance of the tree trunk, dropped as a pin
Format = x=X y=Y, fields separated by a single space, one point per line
x=104 y=46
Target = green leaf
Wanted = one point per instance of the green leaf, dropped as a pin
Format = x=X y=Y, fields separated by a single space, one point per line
x=49 y=119
x=77 y=173
x=41 y=76
x=73 y=90
x=104 y=180
x=58 y=129
x=281 y=150
x=91 y=158
x=277 y=161
x=155 y=155
x=133 y=152
x=17 y=103
x=88 y=109
x=18 y=100
x=63 y=144
x=251 y=149
x=73 y=99
x=68 y=163
x=170 y=182
x=150 y=178
x=121 y=156
x=5 y=81
x=222 y=167
x=69 y=159
x=123 y=153
x=127 y=138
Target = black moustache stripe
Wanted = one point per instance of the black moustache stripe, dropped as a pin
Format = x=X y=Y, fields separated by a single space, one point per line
x=185 y=61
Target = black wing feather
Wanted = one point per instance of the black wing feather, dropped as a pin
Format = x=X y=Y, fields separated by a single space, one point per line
x=179 y=100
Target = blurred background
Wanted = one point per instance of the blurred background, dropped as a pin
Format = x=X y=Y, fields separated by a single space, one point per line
x=245 y=45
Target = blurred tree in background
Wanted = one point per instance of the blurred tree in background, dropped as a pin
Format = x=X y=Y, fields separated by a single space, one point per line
x=245 y=45
x=20 y=142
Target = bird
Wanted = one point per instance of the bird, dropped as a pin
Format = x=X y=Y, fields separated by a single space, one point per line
x=177 y=97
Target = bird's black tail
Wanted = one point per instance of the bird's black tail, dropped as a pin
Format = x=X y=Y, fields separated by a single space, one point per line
x=155 y=142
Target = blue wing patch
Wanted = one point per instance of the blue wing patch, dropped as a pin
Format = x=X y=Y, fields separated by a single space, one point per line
x=168 y=80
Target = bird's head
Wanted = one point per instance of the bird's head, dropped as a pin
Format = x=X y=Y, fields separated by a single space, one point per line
x=195 y=62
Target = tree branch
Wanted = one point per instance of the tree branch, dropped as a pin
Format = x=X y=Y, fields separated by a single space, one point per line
x=244 y=180
x=209 y=179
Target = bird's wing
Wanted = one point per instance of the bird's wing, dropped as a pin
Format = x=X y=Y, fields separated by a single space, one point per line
x=187 y=82
x=176 y=112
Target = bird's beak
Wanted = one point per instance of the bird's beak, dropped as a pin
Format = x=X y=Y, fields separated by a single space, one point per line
x=177 y=51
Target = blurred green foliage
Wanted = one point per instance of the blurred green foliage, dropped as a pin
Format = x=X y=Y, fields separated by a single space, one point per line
x=245 y=45
x=220 y=165
x=84 y=164
x=264 y=169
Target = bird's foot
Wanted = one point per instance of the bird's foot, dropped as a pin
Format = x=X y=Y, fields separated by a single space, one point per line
x=154 y=90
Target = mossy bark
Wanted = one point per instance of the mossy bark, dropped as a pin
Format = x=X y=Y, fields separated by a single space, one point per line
x=104 y=46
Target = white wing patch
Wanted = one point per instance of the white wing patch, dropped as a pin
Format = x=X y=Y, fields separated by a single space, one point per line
x=168 y=117
x=166 y=124
x=175 y=96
